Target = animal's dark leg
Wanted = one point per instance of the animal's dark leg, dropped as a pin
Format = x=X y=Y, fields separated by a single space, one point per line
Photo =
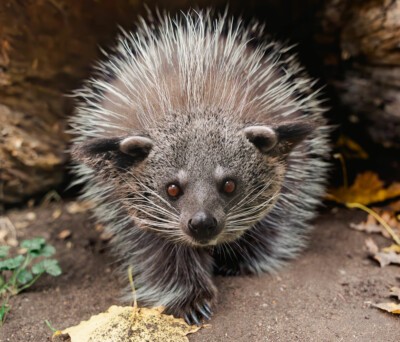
x=179 y=278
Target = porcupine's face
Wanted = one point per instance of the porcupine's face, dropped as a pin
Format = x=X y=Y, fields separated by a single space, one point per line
x=201 y=180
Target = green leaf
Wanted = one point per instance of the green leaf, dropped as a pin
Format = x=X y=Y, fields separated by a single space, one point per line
x=11 y=264
x=24 y=277
x=4 y=251
x=38 y=268
x=4 y=308
x=49 y=266
x=3 y=284
x=34 y=246
x=48 y=250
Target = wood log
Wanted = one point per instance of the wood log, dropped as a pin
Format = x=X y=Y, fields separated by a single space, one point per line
x=30 y=162
x=360 y=41
x=45 y=48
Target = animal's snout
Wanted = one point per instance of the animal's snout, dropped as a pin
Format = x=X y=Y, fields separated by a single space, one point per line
x=203 y=226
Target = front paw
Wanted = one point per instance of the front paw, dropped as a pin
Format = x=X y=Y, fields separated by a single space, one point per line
x=195 y=312
x=198 y=314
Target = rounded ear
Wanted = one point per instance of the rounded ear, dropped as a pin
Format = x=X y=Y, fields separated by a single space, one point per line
x=137 y=146
x=278 y=139
x=119 y=151
x=263 y=137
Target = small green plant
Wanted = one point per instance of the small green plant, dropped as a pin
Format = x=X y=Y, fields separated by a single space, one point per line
x=22 y=271
x=50 y=326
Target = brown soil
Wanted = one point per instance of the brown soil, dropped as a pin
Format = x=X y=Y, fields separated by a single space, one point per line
x=325 y=295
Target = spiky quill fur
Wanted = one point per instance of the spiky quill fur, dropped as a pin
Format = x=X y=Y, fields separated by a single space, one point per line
x=190 y=85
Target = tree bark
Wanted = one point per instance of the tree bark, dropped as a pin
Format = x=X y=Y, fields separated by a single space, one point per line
x=360 y=41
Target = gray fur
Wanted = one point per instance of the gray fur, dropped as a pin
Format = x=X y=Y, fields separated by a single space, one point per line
x=192 y=102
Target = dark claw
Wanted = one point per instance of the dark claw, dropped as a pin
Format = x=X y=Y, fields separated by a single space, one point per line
x=187 y=320
x=195 y=319
x=204 y=313
x=198 y=314
x=207 y=308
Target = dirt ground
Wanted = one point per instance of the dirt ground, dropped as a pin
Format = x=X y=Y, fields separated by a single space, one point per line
x=325 y=295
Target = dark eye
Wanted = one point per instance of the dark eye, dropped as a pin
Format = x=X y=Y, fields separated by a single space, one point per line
x=229 y=186
x=174 y=191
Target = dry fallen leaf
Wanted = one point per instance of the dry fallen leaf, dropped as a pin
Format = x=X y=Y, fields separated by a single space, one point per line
x=380 y=220
x=129 y=324
x=389 y=307
x=372 y=247
x=56 y=214
x=395 y=292
x=366 y=189
x=64 y=234
x=371 y=225
x=8 y=232
x=385 y=259
x=392 y=248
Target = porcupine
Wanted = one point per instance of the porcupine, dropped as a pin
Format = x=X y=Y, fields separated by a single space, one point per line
x=203 y=145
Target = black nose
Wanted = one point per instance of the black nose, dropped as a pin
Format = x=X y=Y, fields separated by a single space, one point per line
x=203 y=226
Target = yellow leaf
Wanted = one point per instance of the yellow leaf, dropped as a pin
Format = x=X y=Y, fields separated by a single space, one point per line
x=366 y=189
x=393 y=248
x=389 y=307
x=130 y=324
